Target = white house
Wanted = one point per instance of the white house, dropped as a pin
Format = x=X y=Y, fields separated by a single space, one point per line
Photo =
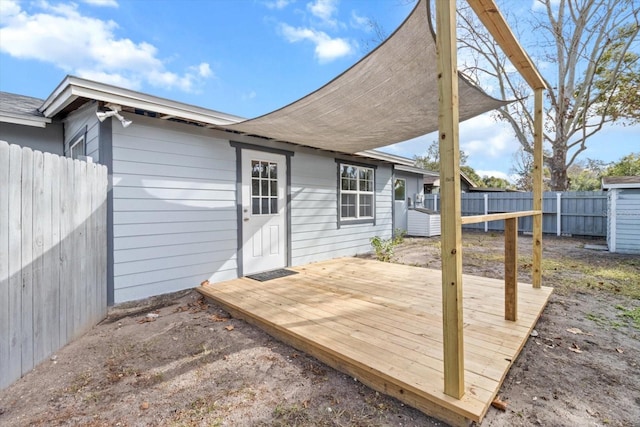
x=623 y=234
x=191 y=200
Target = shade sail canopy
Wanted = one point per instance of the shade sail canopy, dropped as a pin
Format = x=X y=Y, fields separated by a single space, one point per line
x=389 y=96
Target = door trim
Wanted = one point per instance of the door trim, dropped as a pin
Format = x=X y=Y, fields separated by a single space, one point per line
x=239 y=146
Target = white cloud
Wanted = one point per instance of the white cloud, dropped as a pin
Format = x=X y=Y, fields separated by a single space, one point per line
x=360 y=22
x=9 y=8
x=89 y=47
x=326 y=48
x=249 y=95
x=110 y=78
x=102 y=3
x=204 y=70
x=278 y=4
x=483 y=137
x=324 y=10
x=542 y=4
x=494 y=173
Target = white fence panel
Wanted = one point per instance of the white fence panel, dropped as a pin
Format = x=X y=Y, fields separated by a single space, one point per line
x=52 y=263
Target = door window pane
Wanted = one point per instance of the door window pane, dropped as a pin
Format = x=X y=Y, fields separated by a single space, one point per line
x=256 y=168
x=264 y=188
x=399 y=189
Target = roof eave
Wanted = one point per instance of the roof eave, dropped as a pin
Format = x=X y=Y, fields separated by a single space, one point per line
x=414 y=169
x=73 y=88
x=39 y=122
x=391 y=158
x=620 y=186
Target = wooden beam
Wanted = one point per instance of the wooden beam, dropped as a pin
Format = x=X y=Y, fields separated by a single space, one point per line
x=474 y=219
x=511 y=269
x=448 y=118
x=537 y=188
x=489 y=14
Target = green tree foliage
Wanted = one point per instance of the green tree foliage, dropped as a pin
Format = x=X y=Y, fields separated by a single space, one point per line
x=591 y=51
x=431 y=162
x=629 y=165
x=617 y=78
x=494 y=182
x=522 y=168
x=431 y=159
x=585 y=176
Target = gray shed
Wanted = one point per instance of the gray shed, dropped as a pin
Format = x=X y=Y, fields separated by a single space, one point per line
x=623 y=228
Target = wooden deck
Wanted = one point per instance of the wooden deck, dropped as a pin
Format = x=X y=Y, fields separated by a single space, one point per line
x=382 y=324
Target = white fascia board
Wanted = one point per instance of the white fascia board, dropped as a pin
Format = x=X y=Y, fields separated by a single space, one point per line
x=73 y=87
x=39 y=122
x=391 y=158
x=625 y=185
x=416 y=170
x=57 y=101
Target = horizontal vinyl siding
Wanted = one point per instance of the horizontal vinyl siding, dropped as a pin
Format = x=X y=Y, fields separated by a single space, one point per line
x=628 y=221
x=315 y=235
x=174 y=208
x=48 y=139
x=78 y=121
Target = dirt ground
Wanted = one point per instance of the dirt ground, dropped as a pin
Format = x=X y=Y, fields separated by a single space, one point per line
x=178 y=360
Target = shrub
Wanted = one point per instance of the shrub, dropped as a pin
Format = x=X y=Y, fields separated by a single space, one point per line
x=384 y=247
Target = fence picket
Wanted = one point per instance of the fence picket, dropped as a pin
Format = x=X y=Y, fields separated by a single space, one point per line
x=4 y=264
x=27 y=260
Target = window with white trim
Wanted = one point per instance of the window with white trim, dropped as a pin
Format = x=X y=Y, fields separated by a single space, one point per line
x=356 y=192
x=77 y=148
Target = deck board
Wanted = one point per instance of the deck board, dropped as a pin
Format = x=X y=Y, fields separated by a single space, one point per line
x=382 y=323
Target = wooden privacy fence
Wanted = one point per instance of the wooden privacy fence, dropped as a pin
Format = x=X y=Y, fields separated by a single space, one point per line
x=53 y=257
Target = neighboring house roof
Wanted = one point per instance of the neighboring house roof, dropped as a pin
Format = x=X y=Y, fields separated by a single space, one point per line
x=401 y=163
x=434 y=180
x=21 y=110
x=493 y=190
x=620 y=182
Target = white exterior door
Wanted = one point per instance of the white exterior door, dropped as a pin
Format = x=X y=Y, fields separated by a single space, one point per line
x=264 y=207
x=400 y=204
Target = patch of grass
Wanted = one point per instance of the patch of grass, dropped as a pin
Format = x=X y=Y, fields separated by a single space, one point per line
x=598 y=319
x=197 y=412
x=79 y=382
x=603 y=321
x=567 y=273
x=292 y=415
x=633 y=315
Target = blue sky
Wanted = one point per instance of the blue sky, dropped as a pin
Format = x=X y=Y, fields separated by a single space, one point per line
x=243 y=57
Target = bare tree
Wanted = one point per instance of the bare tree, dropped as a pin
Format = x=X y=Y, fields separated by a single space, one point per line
x=592 y=56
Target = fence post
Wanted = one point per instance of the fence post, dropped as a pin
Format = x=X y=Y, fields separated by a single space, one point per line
x=486 y=211
x=559 y=214
x=612 y=231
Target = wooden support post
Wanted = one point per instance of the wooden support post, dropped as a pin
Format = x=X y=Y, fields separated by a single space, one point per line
x=448 y=118
x=537 y=189
x=511 y=269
